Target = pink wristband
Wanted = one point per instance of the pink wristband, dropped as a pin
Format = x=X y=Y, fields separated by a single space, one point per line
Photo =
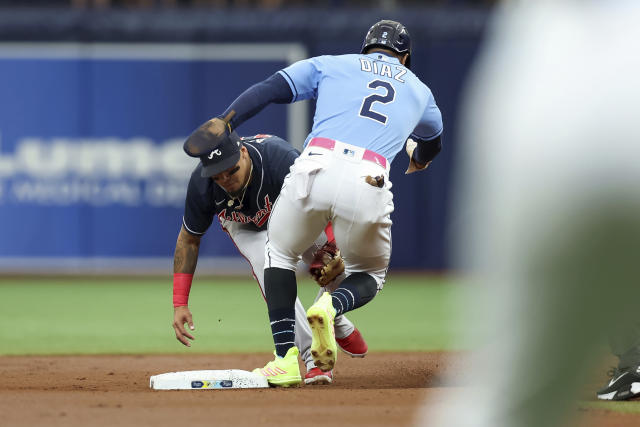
x=181 y=288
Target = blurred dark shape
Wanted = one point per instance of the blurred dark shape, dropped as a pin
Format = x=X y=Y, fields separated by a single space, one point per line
x=110 y=20
x=265 y=4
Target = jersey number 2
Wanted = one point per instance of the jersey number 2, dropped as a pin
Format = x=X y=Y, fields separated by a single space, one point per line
x=366 y=110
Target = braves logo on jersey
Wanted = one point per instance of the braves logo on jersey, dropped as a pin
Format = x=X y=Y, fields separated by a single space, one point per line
x=259 y=219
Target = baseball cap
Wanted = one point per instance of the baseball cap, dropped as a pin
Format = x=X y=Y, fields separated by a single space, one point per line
x=216 y=152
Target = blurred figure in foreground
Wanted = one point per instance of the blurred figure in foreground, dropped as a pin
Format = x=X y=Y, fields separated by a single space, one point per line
x=548 y=219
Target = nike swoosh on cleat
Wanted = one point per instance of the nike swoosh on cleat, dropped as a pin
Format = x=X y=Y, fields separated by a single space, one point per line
x=613 y=381
x=315 y=154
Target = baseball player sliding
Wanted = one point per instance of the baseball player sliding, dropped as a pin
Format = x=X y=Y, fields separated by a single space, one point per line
x=368 y=105
x=238 y=180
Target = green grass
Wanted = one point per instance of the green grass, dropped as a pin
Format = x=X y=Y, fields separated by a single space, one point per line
x=627 y=407
x=134 y=315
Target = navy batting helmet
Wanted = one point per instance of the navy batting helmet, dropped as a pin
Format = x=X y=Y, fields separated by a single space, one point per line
x=389 y=35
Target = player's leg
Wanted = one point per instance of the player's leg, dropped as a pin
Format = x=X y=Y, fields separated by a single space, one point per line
x=343 y=326
x=251 y=244
x=294 y=225
x=364 y=277
x=360 y=214
x=362 y=227
x=348 y=337
x=625 y=344
x=625 y=378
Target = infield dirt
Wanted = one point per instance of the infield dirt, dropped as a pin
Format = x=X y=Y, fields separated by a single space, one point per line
x=381 y=389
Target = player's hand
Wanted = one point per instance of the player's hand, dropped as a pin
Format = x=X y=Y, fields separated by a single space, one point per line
x=219 y=126
x=182 y=315
x=413 y=165
x=216 y=126
x=208 y=135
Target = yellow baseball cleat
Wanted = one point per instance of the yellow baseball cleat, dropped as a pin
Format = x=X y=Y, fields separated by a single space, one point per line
x=283 y=371
x=323 y=344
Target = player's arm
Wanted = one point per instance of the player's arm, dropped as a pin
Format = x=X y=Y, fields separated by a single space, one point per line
x=425 y=142
x=185 y=259
x=198 y=215
x=272 y=90
x=422 y=151
x=294 y=83
x=275 y=90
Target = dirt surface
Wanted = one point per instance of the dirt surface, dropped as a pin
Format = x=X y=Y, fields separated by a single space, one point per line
x=381 y=389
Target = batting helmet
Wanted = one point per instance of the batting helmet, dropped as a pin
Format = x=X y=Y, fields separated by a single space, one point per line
x=389 y=35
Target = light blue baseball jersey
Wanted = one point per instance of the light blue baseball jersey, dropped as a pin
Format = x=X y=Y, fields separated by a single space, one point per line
x=371 y=101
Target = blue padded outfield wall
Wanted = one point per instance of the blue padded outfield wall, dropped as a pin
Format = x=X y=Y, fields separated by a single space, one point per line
x=92 y=172
x=91 y=161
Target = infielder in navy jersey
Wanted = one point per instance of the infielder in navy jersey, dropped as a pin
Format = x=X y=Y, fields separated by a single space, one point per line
x=238 y=182
x=368 y=106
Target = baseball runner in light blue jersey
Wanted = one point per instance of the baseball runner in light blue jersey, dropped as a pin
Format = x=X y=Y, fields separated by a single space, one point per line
x=368 y=106
x=388 y=100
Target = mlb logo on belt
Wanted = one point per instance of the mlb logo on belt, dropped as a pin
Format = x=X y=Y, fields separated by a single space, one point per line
x=348 y=152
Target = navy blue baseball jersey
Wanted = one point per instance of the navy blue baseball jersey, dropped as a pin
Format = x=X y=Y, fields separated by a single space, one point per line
x=272 y=157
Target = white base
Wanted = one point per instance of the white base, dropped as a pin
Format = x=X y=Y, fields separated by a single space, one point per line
x=204 y=380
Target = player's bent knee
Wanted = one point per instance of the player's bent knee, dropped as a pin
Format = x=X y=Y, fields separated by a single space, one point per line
x=365 y=284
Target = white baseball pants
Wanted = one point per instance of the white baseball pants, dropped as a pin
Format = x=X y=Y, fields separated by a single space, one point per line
x=327 y=183
x=251 y=244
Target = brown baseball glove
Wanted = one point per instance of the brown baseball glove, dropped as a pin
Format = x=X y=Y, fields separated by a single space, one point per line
x=327 y=264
